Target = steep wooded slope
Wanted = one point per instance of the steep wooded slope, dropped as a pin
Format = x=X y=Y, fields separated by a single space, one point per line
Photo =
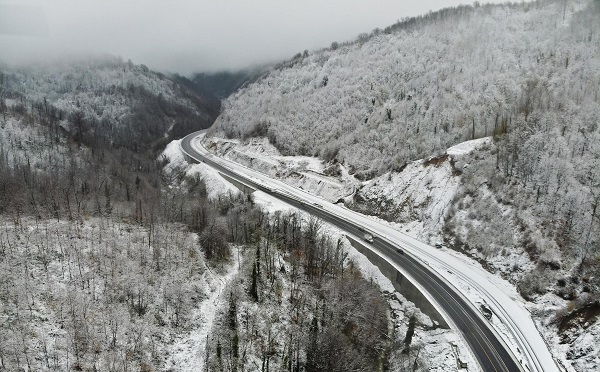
x=110 y=262
x=526 y=75
x=417 y=87
x=107 y=100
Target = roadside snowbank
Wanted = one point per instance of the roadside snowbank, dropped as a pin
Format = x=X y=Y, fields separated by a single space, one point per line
x=216 y=185
x=467 y=147
x=303 y=172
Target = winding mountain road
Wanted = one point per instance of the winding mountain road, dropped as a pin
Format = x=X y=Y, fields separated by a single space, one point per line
x=417 y=261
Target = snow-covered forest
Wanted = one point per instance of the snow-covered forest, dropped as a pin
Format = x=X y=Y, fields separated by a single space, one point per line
x=112 y=260
x=104 y=100
x=411 y=90
x=525 y=75
x=115 y=257
x=98 y=260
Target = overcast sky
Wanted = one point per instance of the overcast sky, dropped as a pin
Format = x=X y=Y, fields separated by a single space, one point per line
x=186 y=36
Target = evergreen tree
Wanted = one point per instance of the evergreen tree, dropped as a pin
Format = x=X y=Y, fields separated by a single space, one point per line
x=253 y=286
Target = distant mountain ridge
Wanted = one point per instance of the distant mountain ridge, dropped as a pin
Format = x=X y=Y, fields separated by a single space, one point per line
x=223 y=84
x=115 y=101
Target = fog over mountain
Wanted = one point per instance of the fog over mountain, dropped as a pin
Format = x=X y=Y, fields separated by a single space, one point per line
x=190 y=36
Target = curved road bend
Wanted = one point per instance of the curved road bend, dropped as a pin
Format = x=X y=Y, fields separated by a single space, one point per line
x=491 y=353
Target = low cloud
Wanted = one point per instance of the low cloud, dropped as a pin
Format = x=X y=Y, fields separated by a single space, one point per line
x=187 y=36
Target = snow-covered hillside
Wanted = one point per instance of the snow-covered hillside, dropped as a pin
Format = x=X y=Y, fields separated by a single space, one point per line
x=108 y=99
x=524 y=204
x=417 y=87
x=75 y=203
x=77 y=295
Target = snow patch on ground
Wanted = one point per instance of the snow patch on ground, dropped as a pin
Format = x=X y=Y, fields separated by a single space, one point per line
x=188 y=352
x=577 y=347
x=216 y=185
x=420 y=194
x=467 y=147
